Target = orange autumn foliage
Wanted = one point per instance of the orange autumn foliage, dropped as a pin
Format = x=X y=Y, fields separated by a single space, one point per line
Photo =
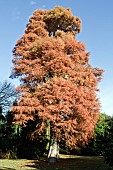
x=57 y=82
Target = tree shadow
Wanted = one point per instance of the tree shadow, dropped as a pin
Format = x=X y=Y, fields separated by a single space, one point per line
x=78 y=163
x=6 y=168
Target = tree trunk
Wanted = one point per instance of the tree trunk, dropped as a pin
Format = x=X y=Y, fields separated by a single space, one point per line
x=53 y=155
x=47 y=135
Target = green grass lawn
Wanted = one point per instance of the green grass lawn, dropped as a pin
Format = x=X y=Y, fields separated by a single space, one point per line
x=66 y=163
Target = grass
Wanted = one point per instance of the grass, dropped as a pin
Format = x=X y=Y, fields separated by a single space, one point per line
x=67 y=162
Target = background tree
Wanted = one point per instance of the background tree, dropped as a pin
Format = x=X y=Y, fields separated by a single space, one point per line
x=8 y=137
x=7 y=95
x=2 y=123
x=108 y=140
x=100 y=131
x=57 y=82
x=97 y=145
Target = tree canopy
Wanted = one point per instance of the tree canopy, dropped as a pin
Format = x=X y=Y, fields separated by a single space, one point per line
x=57 y=82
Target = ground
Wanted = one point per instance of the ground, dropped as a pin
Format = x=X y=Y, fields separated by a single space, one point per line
x=67 y=162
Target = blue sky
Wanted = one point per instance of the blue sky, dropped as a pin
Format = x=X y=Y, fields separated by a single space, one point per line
x=97 y=33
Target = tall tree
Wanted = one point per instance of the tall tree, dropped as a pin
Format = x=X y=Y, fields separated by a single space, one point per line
x=57 y=82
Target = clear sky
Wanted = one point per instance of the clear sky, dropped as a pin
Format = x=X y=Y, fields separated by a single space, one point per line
x=97 y=33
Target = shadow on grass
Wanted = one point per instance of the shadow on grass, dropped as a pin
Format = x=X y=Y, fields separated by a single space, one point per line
x=72 y=163
x=6 y=168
